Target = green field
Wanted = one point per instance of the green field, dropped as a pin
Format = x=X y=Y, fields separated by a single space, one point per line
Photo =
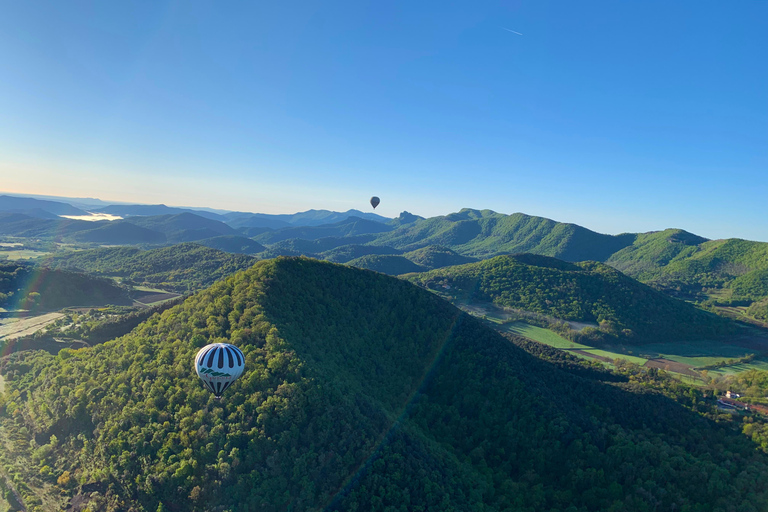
x=696 y=362
x=555 y=340
x=22 y=254
x=148 y=289
x=757 y=364
x=542 y=336
x=704 y=348
x=695 y=354
x=614 y=355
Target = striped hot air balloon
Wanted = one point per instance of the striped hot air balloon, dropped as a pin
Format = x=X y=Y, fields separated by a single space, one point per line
x=218 y=365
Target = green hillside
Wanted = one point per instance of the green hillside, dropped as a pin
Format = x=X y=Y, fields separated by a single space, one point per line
x=120 y=232
x=345 y=253
x=584 y=292
x=181 y=267
x=420 y=260
x=484 y=233
x=351 y=226
x=679 y=262
x=301 y=246
x=20 y=225
x=434 y=256
x=233 y=244
x=361 y=392
x=184 y=227
x=391 y=264
x=23 y=286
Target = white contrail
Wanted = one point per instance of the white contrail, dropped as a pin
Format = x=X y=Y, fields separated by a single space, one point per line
x=513 y=31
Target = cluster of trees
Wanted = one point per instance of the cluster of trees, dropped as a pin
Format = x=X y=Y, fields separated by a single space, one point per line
x=104 y=324
x=181 y=268
x=362 y=392
x=584 y=292
x=759 y=310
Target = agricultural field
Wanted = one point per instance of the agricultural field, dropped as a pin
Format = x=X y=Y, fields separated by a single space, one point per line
x=617 y=355
x=150 y=296
x=542 y=336
x=682 y=358
x=22 y=254
x=17 y=327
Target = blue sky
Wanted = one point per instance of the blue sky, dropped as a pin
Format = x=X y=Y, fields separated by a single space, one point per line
x=619 y=116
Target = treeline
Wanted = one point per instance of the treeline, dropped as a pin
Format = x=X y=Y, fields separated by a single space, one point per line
x=361 y=392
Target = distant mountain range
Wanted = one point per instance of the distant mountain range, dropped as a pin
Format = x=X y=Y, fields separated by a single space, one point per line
x=77 y=207
x=34 y=207
x=724 y=273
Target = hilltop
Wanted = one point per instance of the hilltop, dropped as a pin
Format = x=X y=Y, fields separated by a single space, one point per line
x=583 y=292
x=485 y=233
x=361 y=392
x=420 y=260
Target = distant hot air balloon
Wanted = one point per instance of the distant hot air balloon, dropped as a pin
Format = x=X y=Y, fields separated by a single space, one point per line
x=218 y=365
x=375 y=202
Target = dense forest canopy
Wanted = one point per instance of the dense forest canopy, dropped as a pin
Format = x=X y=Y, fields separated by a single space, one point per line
x=586 y=292
x=679 y=261
x=181 y=267
x=362 y=392
x=24 y=286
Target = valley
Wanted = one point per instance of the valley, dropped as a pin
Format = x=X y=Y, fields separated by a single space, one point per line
x=693 y=359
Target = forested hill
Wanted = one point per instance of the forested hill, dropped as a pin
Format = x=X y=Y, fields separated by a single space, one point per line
x=361 y=392
x=586 y=292
x=676 y=260
x=181 y=267
x=26 y=287
x=484 y=233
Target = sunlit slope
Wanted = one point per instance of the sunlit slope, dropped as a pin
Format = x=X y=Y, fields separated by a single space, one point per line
x=677 y=260
x=362 y=392
x=391 y=264
x=586 y=292
x=181 y=267
x=484 y=233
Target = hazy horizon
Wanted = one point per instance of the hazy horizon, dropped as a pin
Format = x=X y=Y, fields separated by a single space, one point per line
x=363 y=210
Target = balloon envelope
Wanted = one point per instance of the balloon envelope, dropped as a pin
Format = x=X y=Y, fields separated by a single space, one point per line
x=218 y=365
x=375 y=202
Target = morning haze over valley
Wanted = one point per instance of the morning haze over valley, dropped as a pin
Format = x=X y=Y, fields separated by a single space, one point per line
x=392 y=257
